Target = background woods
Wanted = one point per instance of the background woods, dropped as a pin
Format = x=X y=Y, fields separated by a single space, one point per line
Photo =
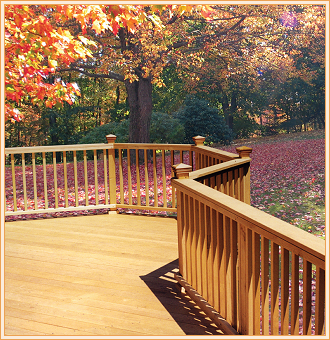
x=70 y=69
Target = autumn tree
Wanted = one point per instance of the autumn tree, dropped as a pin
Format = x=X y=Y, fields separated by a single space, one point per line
x=134 y=44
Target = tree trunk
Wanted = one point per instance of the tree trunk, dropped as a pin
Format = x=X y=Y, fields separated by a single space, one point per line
x=140 y=106
x=229 y=110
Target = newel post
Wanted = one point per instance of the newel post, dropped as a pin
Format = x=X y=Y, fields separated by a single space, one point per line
x=199 y=141
x=244 y=152
x=181 y=171
x=112 y=171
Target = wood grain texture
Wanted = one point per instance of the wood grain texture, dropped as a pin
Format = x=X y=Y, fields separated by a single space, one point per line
x=96 y=275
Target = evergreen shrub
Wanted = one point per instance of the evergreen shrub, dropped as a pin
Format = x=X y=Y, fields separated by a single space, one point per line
x=199 y=118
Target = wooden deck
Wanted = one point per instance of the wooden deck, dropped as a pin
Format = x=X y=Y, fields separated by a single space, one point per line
x=96 y=275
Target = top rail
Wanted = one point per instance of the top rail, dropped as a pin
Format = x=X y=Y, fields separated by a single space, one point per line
x=57 y=148
x=151 y=146
x=99 y=146
x=212 y=152
x=204 y=172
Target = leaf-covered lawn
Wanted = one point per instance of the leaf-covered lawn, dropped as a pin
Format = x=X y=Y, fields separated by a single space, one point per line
x=288 y=179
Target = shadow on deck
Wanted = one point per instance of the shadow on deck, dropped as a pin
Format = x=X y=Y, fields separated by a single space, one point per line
x=165 y=288
x=96 y=275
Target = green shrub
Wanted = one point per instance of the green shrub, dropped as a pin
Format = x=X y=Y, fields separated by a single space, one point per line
x=98 y=135
x=244 y=126
x=199 y=118
x=164 y=128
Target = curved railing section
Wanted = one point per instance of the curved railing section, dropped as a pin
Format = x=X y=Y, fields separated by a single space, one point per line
x=261 y=274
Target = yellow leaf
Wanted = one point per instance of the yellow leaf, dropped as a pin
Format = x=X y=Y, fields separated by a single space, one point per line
x=97 y=26
x=86 y=41
x=52 y=63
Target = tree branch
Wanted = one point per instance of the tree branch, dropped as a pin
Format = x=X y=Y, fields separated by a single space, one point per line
x=109 y=75
x=202 y=38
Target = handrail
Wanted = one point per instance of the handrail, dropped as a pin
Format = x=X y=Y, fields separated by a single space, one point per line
x=231 y=250
x=206 y=172
x=231 y=177
x=57 y=148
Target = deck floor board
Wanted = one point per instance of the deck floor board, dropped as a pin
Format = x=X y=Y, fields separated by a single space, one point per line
x=96 y=275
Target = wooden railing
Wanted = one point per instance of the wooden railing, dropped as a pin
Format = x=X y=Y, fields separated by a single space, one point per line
x=261 y=274
x=62 y=178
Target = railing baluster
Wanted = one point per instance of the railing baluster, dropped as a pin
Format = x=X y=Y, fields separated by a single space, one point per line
x=24 y=181
x=138 y=184
x=155 y=179
x=112 y=171
x=319 y=301
x=105 y=176
x=215 y=258
x=250 y=281
x=164 y=179
x=307 y=297
x=236 y=185
x=285 y=269
x=121 y=179
x=146 y=176
x=242 y=280
x=44 y=168
x=65 y=173
x=191 y=159
x=274 y=288
x=209 y=260
x=199 y=246
x=217 y=182
x=129 y=176
x=247 y=197
x=86 y=178
x=222 y=265
x=212 y=182
x=188 y=238
x=34 y=181
x=233 y=251
x=294 y=294
x=245 y=281
x=256 y=282
x=13 y=176
x=172 y=175
x=241 y=181
x=231 y=185
x=225 y=183
x=193 y=244
x=180 y=226
x=203 y=236
x=55 y=179
x=265 y=284
x=75 y=178
x=96 y=182
x=228 y=265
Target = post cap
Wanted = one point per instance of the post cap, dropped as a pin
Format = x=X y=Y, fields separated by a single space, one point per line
x=111 y=138
x=181 y=170
x=199 y=140
x=244 y=151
